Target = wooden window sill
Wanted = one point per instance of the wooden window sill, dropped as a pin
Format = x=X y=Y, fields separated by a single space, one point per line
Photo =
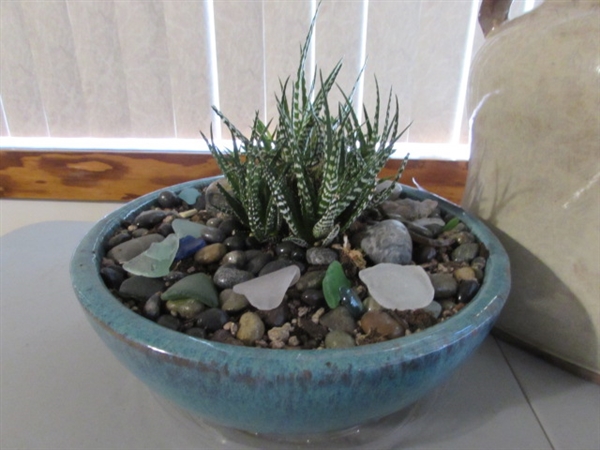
x=122 y=176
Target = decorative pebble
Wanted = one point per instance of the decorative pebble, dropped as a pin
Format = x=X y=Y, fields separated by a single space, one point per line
x=152 y=306
x=225 y=337
x=338 y=319
x=197 y=286
x=169 y=321
x=380 y=323
x=467 y=290
x=312 y=297
x=210 y=254
x=251 y=328
x=351 y=302
x=118 y=238
x=388 y=242
x=444 y=285
x=274 y=266
x=424 y=254
x=156 y=261
x=228 y=276
x=464 y=273
x=189 y=195
x=149 y=219
x=187 y=308
x=132 y=248
x=256 y=263
x=371 y=304
x=228 y=225
x=212 y=319
x=167 y=199
x=232 y=302
x=465 y=252
x=434 y=308
x=334 y=279
x=339 y=339
x=321 y=256
x=140 y=288
x=276 y=317
x=267 y=292
x=398 y=287
x=198 y=333
x=311 y=280
x=188 y=245
x=164 y=229
x=395 y=192
x=236 y=242
x=409 y=209
x=284 y=249
x=235 y=257
x=212 y=234
x=215 y=200
x=113 y=276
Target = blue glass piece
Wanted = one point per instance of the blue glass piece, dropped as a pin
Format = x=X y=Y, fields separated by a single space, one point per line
x=189 y=245
x=351 y=302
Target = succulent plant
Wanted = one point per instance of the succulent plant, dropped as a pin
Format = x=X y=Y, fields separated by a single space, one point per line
x=312 y=176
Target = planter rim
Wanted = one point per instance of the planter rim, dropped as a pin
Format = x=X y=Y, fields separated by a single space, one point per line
x=109 y=312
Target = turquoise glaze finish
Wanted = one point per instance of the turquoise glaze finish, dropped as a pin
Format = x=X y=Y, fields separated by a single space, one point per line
x=286 y=391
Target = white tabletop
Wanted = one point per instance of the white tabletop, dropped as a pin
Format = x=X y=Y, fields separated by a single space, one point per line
x=61 y=388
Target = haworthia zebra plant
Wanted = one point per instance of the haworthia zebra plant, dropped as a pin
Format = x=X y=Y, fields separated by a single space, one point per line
x=311 y=177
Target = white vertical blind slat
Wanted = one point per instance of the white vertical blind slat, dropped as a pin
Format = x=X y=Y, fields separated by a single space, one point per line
x=145 y=58
x=187 y=41
x=21 y=97
x=239 y=39
x=100 y=64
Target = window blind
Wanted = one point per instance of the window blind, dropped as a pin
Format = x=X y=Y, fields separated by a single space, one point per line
x=121 y=70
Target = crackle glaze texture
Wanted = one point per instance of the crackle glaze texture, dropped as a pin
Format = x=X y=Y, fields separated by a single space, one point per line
x=534 y=172
x=285 y=391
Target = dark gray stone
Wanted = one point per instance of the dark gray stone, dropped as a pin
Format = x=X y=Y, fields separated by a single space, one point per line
x=228 y=276
x=388 y=242
x=321 y=256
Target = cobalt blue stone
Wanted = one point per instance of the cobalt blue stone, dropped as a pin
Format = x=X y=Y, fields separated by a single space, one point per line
x=293 y=391
x=188 y=245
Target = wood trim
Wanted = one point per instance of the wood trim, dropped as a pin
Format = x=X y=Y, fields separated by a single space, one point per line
x=122 y=176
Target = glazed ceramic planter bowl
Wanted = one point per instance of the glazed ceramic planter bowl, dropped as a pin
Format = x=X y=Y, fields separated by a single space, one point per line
x=285 y=391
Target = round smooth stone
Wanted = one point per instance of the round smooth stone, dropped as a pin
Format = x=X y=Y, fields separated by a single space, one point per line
x=212 y=319
x=388 y=242
x=235 y=257
x=133 y=247
x=311 y=280
x=140 y=288
x=169 y=321
x=225 y=337
x=339 y=339
x=382 y=324
x=312 y=297
x=274 y=266
x=212 y=234
x=284 y=249
x=339 y=319
x=464 y=273
x=118 y=238
x=251 y=328
x=229 y=225
x=371 y=304
x=467 y=290
x=478 y=263
x=424 y=254
x=276 y=317
x=113 y=276
x=232 y=302
x=465 y=252
x=321 y=256
x=168 y=199
x=148 y=219
x=186 y=308
x=214 y=222
x=210 y=254
x=444 y=285
x=228 y=276
x=152 y=306
x=198 y=333
x=235 y=243
x=256 y=263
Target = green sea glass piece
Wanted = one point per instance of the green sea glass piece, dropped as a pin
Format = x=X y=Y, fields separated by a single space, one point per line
x=333 y=281
x=156 y=261
x=183 y=228
x=197 y=286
